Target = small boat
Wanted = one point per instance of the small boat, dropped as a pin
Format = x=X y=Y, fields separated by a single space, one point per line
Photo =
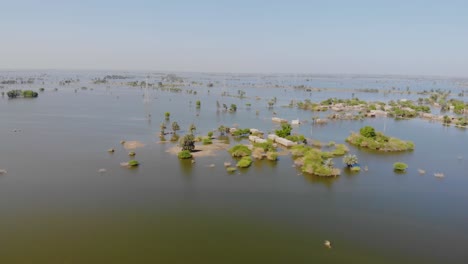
x=327 y=244
x=439 y=175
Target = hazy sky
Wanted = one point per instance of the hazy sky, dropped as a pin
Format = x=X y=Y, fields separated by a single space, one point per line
x=382 y=37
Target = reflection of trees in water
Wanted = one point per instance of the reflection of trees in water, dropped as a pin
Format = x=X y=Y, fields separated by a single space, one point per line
x=327 y=181
x=258 y=164
x=224 y=139
x=186 y=167
x=351 y=174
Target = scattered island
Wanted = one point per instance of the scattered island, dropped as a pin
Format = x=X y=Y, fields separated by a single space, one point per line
x=356 y=109
x=369 y=138
x=22 y=94
x=317 y=162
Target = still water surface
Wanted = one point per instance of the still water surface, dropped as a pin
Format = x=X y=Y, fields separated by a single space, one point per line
x=57 y=208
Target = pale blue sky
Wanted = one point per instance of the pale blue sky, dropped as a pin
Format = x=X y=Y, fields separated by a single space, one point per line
x=376 y=37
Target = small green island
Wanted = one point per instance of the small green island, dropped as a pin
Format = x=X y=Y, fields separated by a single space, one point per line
x=314 y=161
x=22 y=94
x=369 y=138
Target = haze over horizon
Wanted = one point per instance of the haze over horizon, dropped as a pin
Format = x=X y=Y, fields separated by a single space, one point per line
x=334 y=37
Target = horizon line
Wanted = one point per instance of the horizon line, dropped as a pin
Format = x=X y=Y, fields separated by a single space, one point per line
x=243 y=73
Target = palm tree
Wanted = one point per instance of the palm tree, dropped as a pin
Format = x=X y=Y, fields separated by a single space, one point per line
x=329 y=163
x=350 y=160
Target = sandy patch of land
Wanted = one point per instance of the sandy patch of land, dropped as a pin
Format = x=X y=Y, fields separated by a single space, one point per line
x=201 y=150
x=133 y=145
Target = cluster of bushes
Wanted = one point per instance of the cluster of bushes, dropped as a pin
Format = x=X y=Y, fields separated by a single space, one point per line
x=133 y=163
x=458 y=106
x=241 y=132
x=461 y=121
x=368 y=138
x=184 y=154
x=400 y=166
x=298 y=138
x=21 y=93
x=240 y=151
x=244 y=162
x=315 y=161
x=207 y=141
x=266 y=149
x=285 y=130
x=351 y=102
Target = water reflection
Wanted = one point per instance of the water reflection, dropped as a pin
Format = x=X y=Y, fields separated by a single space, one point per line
x=326 y=181
x=186 y=167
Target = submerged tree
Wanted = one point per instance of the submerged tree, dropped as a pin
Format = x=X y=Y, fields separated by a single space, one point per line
x=175 y=127
x=233 y=108
x=222 y=130
x=187 y=142
x=163 y=128
x=284 y=131
x=192 y=128
x=368 y=132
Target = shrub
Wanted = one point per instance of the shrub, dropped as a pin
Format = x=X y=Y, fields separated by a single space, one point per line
x=356 y=169
x=210 y=134
x=272 y=155
x=233 y=108
x=400 y=166
x=133 y=163
x=258 y=153
x=207 y=141
x=184 y=154
x=299 y=150
x=132 y=153
x=284 y=131
x=297 y=138
x=14 y=93
x=241 y=132
x=240 y=151
x=187 y=142
x=29 y=94
x=368 y=132
x=340 y=150
x=266 y=146
x=230 y=169
x=244 y=162
x=380 y=142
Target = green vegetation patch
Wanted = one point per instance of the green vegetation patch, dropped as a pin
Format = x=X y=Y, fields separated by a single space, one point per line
x=240 y=151
x=21 y=93
x=244 y=162
x=314 y=161
x=133 y=163
x=184 y=154
x=400 y=166
x=272 y=155
x=368 y=138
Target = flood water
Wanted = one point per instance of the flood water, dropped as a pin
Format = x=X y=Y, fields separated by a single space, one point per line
x=57 y=208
